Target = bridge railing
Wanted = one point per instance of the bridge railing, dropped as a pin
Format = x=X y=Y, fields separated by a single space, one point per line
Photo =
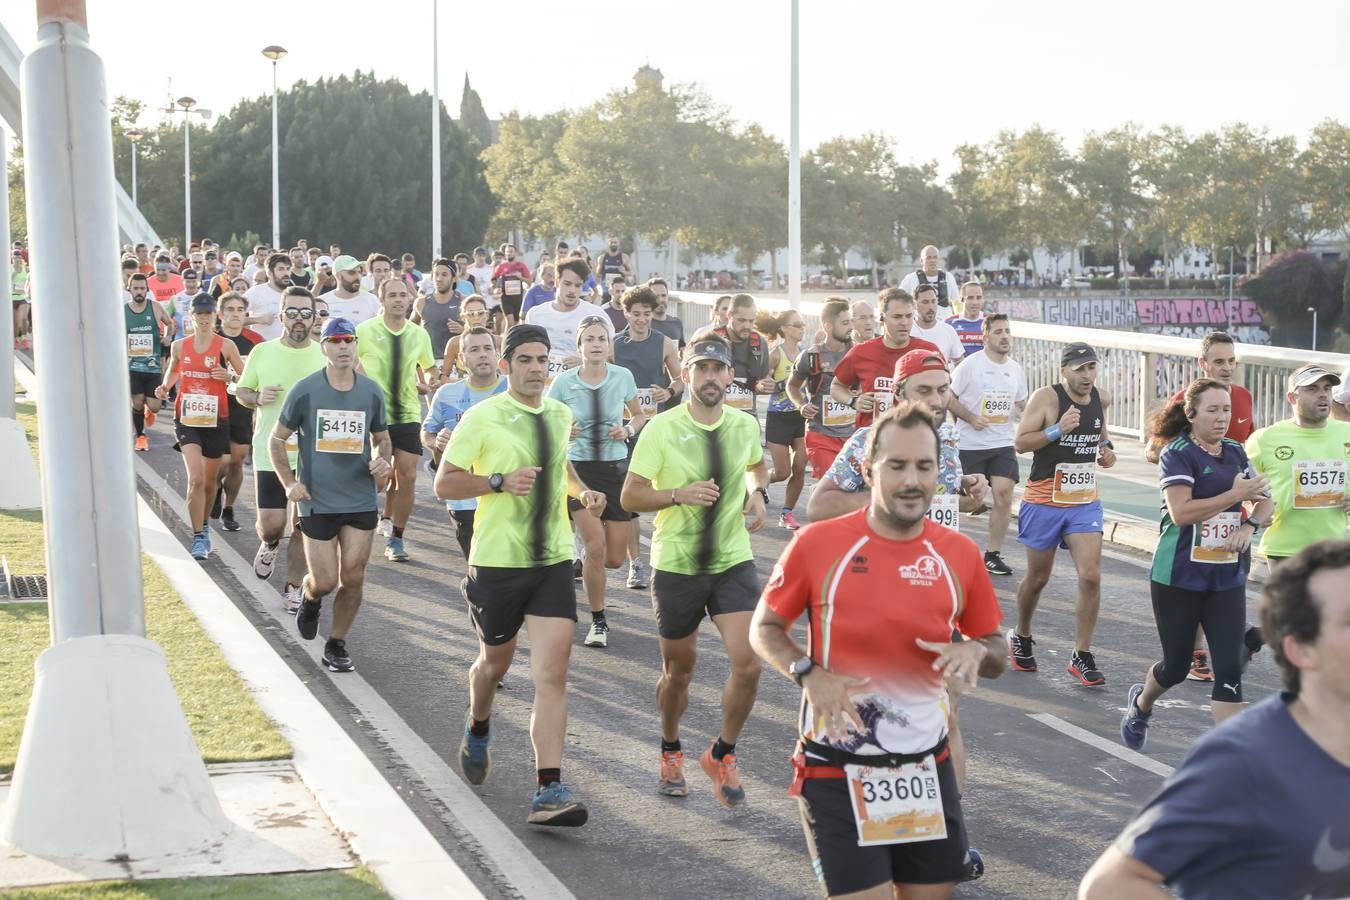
x=1141 y=371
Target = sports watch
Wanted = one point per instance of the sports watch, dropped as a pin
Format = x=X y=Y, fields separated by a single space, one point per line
x=800 y=667
x=495 y=481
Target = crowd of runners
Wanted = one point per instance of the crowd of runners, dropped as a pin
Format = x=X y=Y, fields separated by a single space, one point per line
x=558 y=406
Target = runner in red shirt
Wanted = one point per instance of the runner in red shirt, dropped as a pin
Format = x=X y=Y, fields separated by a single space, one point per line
x=883 y=589
x=856 y=375
x=510 y=279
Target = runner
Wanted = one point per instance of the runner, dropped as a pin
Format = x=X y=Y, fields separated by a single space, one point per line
x=703 y=469
x=613 y=305
x=1202 y=837
x=721 y=314
x=481 y=273
x=1304 y=458
x=349 y=300
x=601 y=396
x=397 y=355
x=509 y=279
x=439 y=311
x=830 y=423
x=1064 y=428
x=523 y=576
x=379 y=269
x=561 y=317
x=300 y=275
x=321 y=317
x=654 y=360
x=862 y=379
x=273 y=368
x=1203 y=555
x=147 y=325
x=165 y=284
x=930 y=273
x=201 y=413
x=784 y=427
x=928 y=327
x=337 y=415
x=221 y=282
x=615 y=262
x=993 y=392
x=969 y=325
x=843 y=574
x=233 y=309
x=477 y=354
x=749 y=355
x=18 y=283
x=542 y=291
x=671 y=326
x=864 y=318
x=264 y=299
x=474 y=311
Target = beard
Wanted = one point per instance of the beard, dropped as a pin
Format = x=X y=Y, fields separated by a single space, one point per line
x=889 y=512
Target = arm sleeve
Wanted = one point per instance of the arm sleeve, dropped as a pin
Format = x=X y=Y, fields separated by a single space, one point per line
x=1174 y=468
x=961 y=380
x=425 y=358
x=846 y=470
x=436 y=411
x=629 y=384
x=1253 y=449
x=788 y=590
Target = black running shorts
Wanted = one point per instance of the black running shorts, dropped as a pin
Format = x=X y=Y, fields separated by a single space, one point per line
x=607 y=478
x=499 y=598
x=326 y=526
x=144 y=383
x=681 y=601
x=215 y=442
x=784 y=427
x=406 y=436
x=269 y=494
x=998 y=462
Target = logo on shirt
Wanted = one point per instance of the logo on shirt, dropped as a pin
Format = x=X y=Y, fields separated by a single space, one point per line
x=1242 y=421
x=1283 y=453
x=925 y=571
x=1207 y=470
x=1096 y=423
x=513 y=418
x=1327 y=858
x=859 y=565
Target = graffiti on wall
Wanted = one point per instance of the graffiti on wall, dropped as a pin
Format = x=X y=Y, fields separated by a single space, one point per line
x=1178 y=316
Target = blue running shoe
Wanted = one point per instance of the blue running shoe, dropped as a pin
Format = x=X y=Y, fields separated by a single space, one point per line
x=972 y=866
x=475 y=759
x=201 y=547
x=553 y=805
x=1134 y=724
x=394 y=552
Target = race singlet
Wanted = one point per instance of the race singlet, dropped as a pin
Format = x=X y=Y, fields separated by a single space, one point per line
x=1075 y=483
x=1318 y=483
x=897 y=806
x=946 y=510
x=997 y=406
x=1211 y=536
x=883 y=394
x=341 y=431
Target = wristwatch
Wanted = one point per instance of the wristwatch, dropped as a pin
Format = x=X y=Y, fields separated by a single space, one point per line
x=763 y=493
x=495 y=482
x=800 y=667
x=853 y=402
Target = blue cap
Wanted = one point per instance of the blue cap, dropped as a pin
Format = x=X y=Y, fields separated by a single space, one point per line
x=203 y=302
x=338 y=325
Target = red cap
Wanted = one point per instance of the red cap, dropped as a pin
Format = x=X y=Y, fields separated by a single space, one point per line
x=916 y=361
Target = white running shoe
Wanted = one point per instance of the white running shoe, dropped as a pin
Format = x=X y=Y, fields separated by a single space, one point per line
x=293 y=597
x=264 y=560
x=385 y=528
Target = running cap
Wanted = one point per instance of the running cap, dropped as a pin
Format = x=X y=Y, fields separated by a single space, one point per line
x=338 y=325
x=716 y=351
x=1310 y=374
x=163 y=264
x=916 y=361
x=1077 y=354
x=234 y=254
x=203 y=302
x=1342 y=393
x=343 y=263
x=190 y=273
x=524 y=333
x=324 y=261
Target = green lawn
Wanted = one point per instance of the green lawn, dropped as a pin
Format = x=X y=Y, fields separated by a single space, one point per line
x=344 y=884
x=227 y=724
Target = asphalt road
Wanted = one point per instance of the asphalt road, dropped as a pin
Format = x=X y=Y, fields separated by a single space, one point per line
x=1041 y=805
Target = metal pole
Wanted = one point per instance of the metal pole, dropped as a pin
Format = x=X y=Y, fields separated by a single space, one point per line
x=1313 y=310
x=435 y=134
x=276 y=168
x=133 y=175
x=794 y=183
x=187 y=180
x=1230 y=287
x=7 y=410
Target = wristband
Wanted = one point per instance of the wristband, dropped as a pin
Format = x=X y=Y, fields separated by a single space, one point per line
x=1053 y=433
x=1107 y=444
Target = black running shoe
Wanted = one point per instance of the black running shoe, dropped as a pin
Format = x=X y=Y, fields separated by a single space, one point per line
x=215 y=506
x=1020 y=653
x=972 y=866
x=993 y=561
x=307 y=620
x=1083 y=667
x=336 y=658
x=227 y=520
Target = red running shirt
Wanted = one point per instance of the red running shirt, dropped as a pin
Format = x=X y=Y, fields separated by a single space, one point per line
x=864 y=363
x=866 y=599
x=195 y=382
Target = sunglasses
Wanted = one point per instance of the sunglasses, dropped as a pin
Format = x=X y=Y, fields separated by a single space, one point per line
x=475 y=312
x=323 y=314
x=340 y=339
x=291 y=312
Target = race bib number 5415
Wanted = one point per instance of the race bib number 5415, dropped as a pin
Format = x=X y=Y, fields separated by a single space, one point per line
x=341 y=431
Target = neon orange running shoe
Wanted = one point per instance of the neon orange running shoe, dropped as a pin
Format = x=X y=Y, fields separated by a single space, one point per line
x=672 y=775
x=725 y=777
x=150 y=417
x=142 y=443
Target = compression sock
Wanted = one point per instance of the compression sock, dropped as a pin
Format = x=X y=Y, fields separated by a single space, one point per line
x=548 y=776
x=670 y=746
x=478 y=729
x=138 y=421
x=721 y=748
x=398 y=532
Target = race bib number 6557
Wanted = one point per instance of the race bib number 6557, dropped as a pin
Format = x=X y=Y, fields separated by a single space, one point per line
x=1318 y=483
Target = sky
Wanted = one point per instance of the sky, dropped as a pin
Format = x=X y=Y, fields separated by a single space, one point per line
x=930 y=76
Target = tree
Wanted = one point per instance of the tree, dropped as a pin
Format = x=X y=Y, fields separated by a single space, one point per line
x=1284 y=290
x=1029 y=176
x=978 y=221
x=473 y=118
x=1109 y=176
x=1171 y=171
x=523 y=171
x=1326 y=178
x=18 y=214
x=851 y=197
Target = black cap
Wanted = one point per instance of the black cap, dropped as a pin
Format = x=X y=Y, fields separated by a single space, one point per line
x=524 y=333
x=1076 y=354
x=708 y=349
x=203 y=302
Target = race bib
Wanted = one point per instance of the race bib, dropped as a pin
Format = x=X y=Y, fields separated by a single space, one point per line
x=511 y=287
x=199 y=411
x=140 y=345
x=837 y=415
x=341 y=431
x=1210 y=537
x=946 y=510
x=1318 y=483
x=555 y=368
x=739 y=397
x=646 y=398
x=883 y=394
x=897 y=806
x=997 y=407
x=1075 y=483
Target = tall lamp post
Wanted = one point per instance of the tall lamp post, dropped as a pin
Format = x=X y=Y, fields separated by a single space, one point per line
x=189 y=107
x=134 y=135
x=1313 y=310
x=274 y=53
x=435 y=133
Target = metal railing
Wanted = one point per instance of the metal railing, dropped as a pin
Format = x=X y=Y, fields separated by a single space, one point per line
x=1140 y=371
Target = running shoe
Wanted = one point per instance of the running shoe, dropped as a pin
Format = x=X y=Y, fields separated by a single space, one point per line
x=1134 y=724
x=385 y=528
x=336 y=658
x=1252 y=641
x=672 y=783
x=201 y=549
x=307 y=620
x=264 y=560
x=216 y=505
x=475 y=759
x=142 y=443
x=394 y=552
x=553 y=805
x=972 y=865
x=576 y=570
x=789 y=521
x=293 y=597
x=1200 y=670
x=1020 y=652
x=598 y=636
x=994 y=564
x=725 y=777
x=1083 y=667
x=637 y=575
x=227 y=519
x=150 y=417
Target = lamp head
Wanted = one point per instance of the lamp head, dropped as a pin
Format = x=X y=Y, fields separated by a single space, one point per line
x=273 y=52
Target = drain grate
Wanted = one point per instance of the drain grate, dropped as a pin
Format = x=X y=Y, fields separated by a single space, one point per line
x=27 y=588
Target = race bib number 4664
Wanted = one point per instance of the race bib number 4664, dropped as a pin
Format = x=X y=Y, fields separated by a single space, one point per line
x=199 y=411
x=1318 y=483
x=341 y=431
x=897 y=806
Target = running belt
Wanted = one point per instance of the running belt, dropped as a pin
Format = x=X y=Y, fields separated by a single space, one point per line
x=707 y=538
x=543 y=486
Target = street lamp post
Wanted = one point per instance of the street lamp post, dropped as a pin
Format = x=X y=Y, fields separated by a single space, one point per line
x=274 y=53
x=134 y=135
x=1313 y=310
x=1231 y=279
x=794 y=176
x=435 y=134
x=189 y=106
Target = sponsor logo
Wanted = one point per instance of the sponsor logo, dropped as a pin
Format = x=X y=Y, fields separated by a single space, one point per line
x=1243 y=421
x=1327 y=858
x=925 y=570
x=514 y=418
x=1283 y=453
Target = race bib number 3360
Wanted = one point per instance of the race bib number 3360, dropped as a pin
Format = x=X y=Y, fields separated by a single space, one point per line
x=897 y=806
x=341 y=431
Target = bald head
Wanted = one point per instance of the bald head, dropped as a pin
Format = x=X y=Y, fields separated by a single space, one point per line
x=928 y=257
x=864 y=321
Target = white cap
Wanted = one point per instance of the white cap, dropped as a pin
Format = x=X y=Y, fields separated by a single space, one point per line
x=234 y=254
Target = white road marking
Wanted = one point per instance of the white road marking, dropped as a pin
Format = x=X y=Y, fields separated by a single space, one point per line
x=1104 y=745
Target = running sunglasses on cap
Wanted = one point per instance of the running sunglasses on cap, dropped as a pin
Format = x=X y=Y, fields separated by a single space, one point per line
x=592 y=320
x=340 y=339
